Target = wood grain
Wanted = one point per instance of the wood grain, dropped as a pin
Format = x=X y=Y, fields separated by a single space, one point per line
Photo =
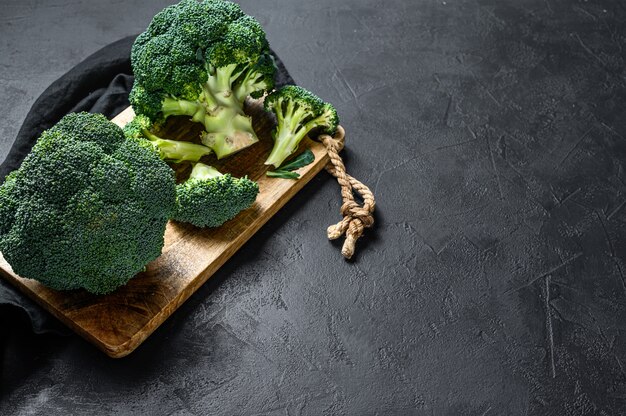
x=119 y=322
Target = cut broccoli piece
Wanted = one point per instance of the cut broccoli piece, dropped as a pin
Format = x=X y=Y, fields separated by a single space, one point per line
x=87 y=208
x=298 y=112
x=209 y=198
x=170 y=150
x=202 y=59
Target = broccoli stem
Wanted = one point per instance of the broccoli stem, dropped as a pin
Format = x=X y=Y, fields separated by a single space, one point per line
x=227 y=128
x=220 y=86
x=286 y=143
x=290 y=133
x=175 y=150
x=175 y=107
x=204 y=172
x=252 y=81
x=227 y=132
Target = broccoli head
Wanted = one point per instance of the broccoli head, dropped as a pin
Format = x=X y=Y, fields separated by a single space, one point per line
x=169 y=150
x=298 y=112
x=202 y=59
x=209 y=198
x=87 y=208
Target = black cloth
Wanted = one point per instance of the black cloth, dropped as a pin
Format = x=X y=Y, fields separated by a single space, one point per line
x=99 y=84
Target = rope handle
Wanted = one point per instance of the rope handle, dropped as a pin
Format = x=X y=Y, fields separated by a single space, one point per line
x=355 y=217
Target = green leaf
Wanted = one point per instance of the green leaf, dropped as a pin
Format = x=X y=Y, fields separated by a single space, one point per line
x=283 y=174
x=305 y=158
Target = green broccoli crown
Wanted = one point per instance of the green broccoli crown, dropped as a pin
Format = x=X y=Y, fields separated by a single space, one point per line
x=298 y=112
x=185 y=42
x=87 y=208
x=242 y=44
x=136 y=127
x=146 y=102
x=209 y=198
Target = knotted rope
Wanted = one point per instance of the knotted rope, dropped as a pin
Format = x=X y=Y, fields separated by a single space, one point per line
x=355 y=217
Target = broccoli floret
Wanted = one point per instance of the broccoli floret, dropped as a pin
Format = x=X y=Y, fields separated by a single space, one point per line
x=87 y=208
x=297 y=111
x=202 y=59
x=169 y=150
x=209 y=198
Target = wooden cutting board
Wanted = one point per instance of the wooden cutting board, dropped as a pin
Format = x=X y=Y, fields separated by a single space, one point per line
x=119 y=322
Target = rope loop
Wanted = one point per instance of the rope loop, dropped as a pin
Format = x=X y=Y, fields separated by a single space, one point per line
x=356 y=217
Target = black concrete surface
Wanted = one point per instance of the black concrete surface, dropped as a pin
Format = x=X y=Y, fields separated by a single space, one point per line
x=493 y=134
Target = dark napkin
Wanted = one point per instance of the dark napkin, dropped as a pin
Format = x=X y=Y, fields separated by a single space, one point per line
x=99 y=84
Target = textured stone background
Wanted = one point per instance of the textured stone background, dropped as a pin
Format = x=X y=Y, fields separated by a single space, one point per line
x=493 y=134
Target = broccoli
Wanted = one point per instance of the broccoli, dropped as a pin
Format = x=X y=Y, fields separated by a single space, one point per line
x=170 y=150
x=209 y=198
x=87 y=208
x=297 y=111
x=202 y=59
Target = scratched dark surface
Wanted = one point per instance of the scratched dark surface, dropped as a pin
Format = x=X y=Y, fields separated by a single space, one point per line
x=493 y=135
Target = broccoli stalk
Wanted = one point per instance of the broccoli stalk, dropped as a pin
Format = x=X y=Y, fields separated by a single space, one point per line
x=201 y=60
x=209 y=198
x=227 y=128
x=204 y=172
x=170 y=150
x=297 y=112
